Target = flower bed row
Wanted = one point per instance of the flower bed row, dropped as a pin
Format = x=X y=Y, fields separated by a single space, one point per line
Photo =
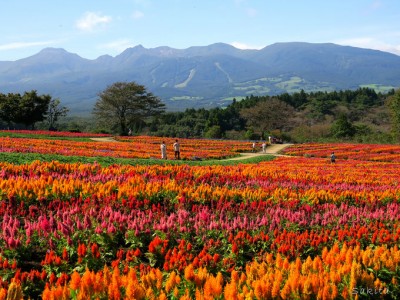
x=53 y=133
x=135 y=148
x=339 y=272
x=311 y=181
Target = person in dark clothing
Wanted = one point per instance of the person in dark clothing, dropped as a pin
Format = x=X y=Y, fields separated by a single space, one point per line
x=333 y=157
x=177 y=150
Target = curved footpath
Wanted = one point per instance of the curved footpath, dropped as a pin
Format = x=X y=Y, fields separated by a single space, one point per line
x=273 y=149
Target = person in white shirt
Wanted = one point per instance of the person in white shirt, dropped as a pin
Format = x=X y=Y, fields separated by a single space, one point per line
x=177 y=150
x=163 y=150
x=264 y=147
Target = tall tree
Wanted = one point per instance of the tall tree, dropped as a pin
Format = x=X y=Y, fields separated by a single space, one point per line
x=342 y=127
x=55 y=111
x=32 y=108
x=393 y=103
x=124 y=105
x=8 y=107
x=269 y=115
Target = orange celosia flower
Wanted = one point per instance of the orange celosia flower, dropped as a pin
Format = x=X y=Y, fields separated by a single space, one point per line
x=189 y=273
x=114 y=287
x=231 y=291
x=47 y=294
x=170 y=283
x=133 y=288
x=276 y=287
x=75 y=281
x=213 y=286
x=176 y=292
x=3 y=294
x=285 y=292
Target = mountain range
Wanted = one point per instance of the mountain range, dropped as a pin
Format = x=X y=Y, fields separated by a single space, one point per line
x=202 y=76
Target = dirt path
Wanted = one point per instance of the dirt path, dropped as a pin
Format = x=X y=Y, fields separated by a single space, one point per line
x=273 y=149
x=104 y=139
x=276 y=148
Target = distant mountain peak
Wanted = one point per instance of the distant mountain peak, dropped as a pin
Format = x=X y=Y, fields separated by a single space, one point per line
x=53 y=54
x=53 y=50
x=104 y=57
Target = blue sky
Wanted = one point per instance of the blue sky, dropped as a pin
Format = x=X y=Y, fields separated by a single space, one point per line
x=91 y=28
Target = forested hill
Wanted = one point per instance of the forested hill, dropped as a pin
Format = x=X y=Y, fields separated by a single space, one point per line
x=362 y=115
x=206 y=76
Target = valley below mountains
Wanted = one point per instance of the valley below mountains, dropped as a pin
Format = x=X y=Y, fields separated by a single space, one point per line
x=202 y=76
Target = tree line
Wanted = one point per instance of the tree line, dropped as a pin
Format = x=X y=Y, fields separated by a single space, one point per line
x=123 y=108
x=28 y=109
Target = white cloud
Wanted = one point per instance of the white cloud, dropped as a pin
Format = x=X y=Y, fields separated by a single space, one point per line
x=117 y=46
x=21 y=45
x=91 y=20
x=371 y=43
x=137 y=14
x=245 y=46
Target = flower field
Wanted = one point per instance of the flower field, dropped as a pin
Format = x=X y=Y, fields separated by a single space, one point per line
x=290 y=228
x=51 y=133
x=373 y=152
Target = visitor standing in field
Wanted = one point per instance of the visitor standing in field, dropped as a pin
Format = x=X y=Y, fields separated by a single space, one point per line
x=163 y=150
x=333 y=157
x=177 y=150
x=254 y=147
x=264 y=147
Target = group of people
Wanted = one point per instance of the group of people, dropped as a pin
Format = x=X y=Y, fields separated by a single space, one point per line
x=177 y=150
x=263 y=147
x=271 y=140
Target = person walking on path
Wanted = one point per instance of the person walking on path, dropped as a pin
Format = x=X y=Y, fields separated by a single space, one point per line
x=177 y=150
x=333 y=157
x=264 y=147
x=163 y=150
